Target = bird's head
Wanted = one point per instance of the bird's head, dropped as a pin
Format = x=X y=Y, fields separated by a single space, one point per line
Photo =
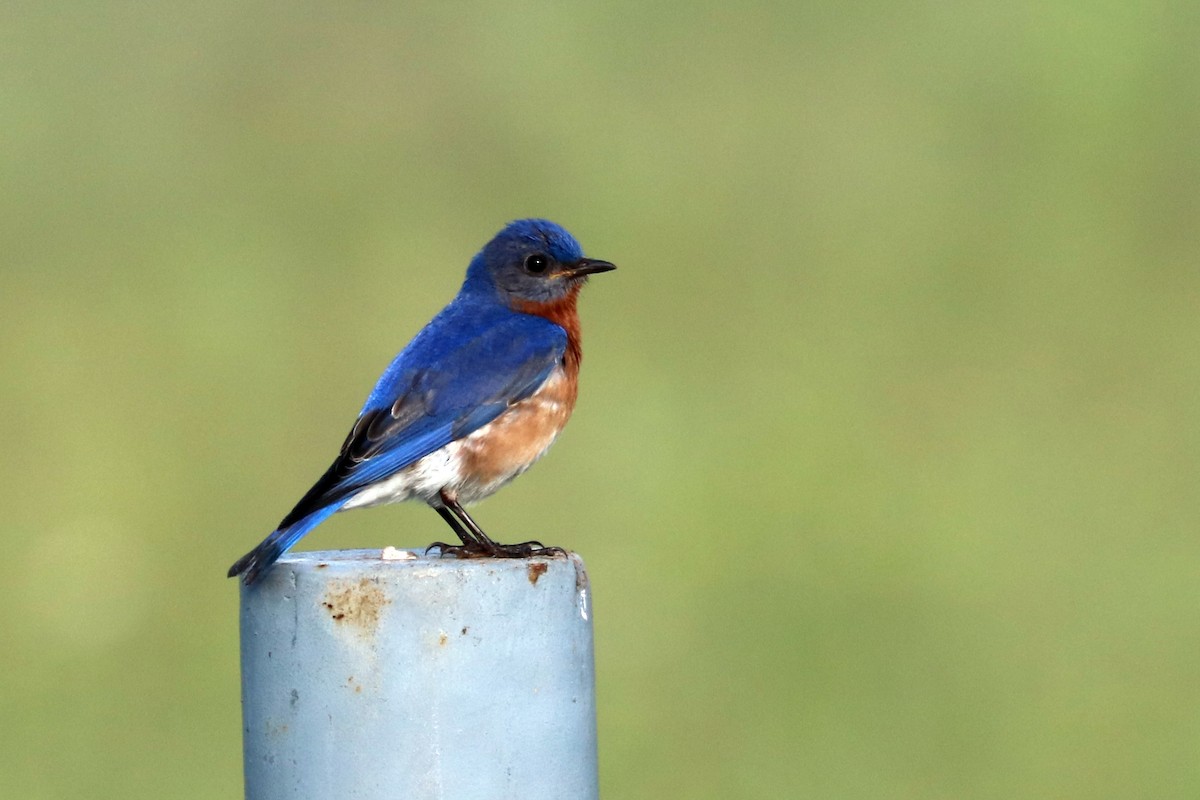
x=533 y=261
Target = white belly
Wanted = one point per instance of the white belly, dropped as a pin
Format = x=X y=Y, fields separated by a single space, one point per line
x=422 y=480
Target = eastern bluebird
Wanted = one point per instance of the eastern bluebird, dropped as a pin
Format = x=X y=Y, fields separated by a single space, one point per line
x=473 y=400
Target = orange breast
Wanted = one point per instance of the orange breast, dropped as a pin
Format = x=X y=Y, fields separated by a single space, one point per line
x=564 y=314
x=511 y=443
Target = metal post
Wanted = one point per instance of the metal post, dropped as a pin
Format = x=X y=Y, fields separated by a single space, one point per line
x=403 y=676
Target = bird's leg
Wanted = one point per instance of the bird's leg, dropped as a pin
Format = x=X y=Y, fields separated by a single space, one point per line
x=461 y=513
x=469 y=545
x=463 y=534
x=472 y=545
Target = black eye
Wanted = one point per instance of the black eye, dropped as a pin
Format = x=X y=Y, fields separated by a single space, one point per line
x=536 y=264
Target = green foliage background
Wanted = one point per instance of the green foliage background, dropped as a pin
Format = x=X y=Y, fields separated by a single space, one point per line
x=886 y=458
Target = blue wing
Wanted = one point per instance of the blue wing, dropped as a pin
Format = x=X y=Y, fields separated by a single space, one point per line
x=465 y=368
x=458 y=374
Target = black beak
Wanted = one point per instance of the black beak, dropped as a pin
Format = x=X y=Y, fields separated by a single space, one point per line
x=589 y=266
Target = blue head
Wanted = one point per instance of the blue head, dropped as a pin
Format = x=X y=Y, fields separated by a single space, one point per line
x=531 y=261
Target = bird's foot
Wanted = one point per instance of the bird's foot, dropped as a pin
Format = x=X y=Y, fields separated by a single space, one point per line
x=526 y=550
x=456 y=550
x=496 y=550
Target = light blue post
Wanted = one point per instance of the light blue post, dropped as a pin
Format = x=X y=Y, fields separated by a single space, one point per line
x=403 y=676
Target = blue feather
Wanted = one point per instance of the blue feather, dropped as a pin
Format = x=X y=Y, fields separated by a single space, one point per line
x=270 y=549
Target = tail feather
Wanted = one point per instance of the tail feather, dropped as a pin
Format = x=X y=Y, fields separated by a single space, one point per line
x=251 y=565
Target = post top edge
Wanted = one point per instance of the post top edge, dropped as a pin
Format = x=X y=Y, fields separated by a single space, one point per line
x=307 y=560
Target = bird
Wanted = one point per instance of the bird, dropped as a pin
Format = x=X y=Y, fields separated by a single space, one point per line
x=477 y=396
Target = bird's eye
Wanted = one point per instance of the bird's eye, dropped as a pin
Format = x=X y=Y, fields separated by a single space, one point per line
x=536 y=264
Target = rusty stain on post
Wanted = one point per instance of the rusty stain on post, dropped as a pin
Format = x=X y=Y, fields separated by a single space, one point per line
x=536 y=570
x=355 y=604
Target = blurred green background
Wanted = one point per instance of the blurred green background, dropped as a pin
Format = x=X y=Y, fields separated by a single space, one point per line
x=886 y=457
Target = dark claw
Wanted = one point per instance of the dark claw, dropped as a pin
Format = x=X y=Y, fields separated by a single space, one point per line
x=472 y=550
x=493 y=550
x=527 y=549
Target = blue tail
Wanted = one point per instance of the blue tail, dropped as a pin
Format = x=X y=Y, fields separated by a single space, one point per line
x=251 y=565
